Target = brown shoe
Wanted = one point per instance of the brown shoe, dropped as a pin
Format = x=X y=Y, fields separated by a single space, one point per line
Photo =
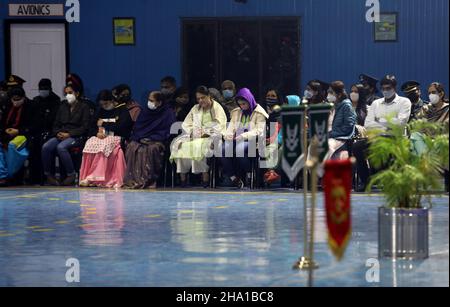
x=52 y=181
x=69 y=181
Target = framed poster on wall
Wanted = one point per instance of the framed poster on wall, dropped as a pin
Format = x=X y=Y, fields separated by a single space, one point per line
x=124 y=31
x=387 y=29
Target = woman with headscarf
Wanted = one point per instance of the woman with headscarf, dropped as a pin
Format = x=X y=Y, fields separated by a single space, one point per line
x=247 y=126
x=203 y=130
x=16 y=126
x=103 y=159
x=145 y=154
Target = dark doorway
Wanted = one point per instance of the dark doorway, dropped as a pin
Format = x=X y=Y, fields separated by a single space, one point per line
x=258 y=53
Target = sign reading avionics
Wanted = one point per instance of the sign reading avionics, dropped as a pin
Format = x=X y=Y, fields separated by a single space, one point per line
x=17 y=10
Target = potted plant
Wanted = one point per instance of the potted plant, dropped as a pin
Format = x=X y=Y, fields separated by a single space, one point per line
x=411 y=172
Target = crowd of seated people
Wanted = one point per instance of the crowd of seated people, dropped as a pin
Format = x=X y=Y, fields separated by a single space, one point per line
x=116 y=142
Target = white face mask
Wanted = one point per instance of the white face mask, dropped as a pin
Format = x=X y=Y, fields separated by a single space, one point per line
x=388 y=94
x=308 y=94
x=434 y=99
x=151 y=105
x=354 y=97
x=71 y=98
x=331 y=98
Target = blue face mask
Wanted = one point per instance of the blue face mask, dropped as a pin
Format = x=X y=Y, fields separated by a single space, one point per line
x=44 y=93
x=228 y=94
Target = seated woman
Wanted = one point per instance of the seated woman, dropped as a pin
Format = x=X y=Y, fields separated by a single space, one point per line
x=16 y=125
x=274 y=103
x=438 y=110
x=145 y=153
x=183 y=103
x=203 y=130
x=103 y=159
x=248 y=123
x=69 y=130
x=343 y=122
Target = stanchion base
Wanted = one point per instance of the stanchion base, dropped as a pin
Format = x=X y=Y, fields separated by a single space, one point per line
x=305 y=263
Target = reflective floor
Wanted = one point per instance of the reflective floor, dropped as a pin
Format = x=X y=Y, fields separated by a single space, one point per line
x=193 y=238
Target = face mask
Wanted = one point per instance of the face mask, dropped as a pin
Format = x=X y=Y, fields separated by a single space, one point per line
x=71 y=98
x=271 y=101
x=434 y=99
x=44 y=93
x=354 y=97
x=331 y=98
x=166 y=92
x=413 y=97
x=151 y=105
x=308 y=94
x=124 y=99
x=388 y=94
x=228 y=94
x=18 y=103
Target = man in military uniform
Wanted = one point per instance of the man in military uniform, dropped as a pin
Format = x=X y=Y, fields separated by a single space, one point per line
x=370 y=86
x=412 y=91
x=14 y=81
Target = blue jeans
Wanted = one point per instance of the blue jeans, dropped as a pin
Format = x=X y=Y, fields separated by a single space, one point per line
x=61 y=148
x=231 y=165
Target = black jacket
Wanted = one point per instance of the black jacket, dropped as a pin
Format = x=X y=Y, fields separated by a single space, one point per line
x=121 y=123
x=23 y=124
x=44 y=113
x=76 y=122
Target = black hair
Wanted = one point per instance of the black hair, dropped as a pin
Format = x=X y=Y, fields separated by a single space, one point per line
x=280 y=97
x=181 y=91
x=105 y=95
x=389 y=80
x=169 y=79
x=339 y=88
x=321 y=92
x=362 y=103
x=202 y=90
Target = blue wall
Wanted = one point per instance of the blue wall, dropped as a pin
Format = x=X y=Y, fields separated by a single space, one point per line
x=337 y=42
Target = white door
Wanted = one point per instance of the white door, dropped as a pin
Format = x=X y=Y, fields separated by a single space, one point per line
x=39 y=51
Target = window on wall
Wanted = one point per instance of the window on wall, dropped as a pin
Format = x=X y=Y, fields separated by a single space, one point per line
x=257 y=53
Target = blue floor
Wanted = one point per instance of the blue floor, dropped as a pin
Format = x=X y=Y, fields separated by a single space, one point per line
x=193 y=238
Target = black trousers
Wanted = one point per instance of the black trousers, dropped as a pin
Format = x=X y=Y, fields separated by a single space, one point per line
x=360 y=152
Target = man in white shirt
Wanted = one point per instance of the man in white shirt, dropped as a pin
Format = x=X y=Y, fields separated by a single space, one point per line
x=393 y=107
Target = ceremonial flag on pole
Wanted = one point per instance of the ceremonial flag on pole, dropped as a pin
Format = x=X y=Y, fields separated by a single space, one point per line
x=338 y=185
x=319 y=115
x=292 y=122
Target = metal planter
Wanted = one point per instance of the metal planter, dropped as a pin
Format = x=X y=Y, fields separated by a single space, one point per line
x=403 y=233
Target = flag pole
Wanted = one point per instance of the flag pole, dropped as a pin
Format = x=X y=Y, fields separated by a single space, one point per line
x=305 y=263
x=313 y=164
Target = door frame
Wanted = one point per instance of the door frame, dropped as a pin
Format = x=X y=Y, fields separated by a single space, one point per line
x=7 y=43
x=218 y=20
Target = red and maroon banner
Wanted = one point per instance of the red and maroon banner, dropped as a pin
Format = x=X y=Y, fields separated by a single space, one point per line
x=337 y=184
